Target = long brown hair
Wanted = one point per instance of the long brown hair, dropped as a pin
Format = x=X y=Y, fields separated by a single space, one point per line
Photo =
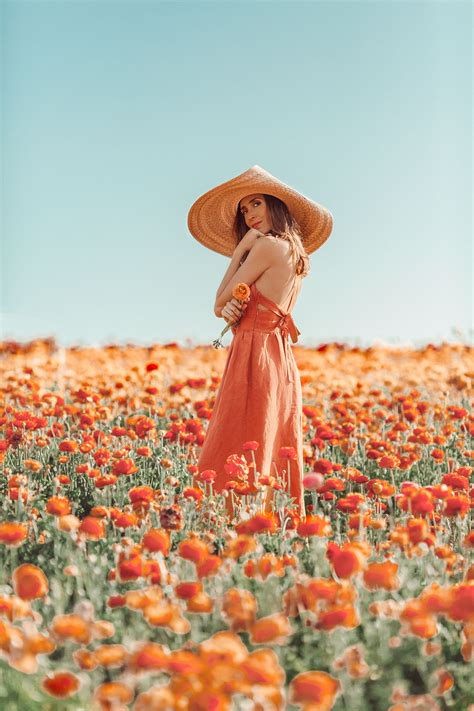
x=284 y=226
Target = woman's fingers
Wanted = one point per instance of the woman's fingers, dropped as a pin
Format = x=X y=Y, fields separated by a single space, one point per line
x=230 y=314
x=233 y=309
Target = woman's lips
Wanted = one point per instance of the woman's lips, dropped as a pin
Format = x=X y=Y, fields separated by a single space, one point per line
x=256 y=224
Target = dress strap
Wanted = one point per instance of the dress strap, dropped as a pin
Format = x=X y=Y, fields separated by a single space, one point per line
x=287 y=324
x=292 y=293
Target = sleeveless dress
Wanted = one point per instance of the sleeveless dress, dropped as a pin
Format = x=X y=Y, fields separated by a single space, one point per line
x=259 y=398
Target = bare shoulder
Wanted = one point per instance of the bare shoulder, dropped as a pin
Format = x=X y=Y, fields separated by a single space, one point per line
x=273 y=245
x=267 y=239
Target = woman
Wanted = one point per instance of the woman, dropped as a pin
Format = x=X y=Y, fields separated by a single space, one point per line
x=269 y=229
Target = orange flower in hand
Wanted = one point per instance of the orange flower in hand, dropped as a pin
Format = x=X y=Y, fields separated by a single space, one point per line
x=241 y=292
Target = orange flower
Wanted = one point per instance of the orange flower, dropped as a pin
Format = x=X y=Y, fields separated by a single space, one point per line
x=92 y=528
x=240 y=607
x=12 y=533
x=157 y=539
x=462 y=602
x=13 y=608
x=348 y=561
x=61 y=684
x=182 y=661
x=442 y=681
x=239 y=546
x=124 y=467
x=68 y=445
x=269 y=564
x=113 y=694
x=58 y=506
x=111 y=655
x=209 y=566
x=418 y=529
x=456 y=481
x=105 y=480
x=141 y=494
x=130 y=568
x=193 y=549
x=84 y=659
x=33 y=465
x=201 y=603
x=468 y=541
x=99 y=511
x=316 y=688
x=259 y=523
x=314 y=526
x=262 y=667
x=388 y=462
x=148 y=656
x=435 y=599
x=338 y=616
x=164 y=615
x=29 y=582
x=380 y=488
x=71 y=627
x=187 y=590
x=241 y=292
x=116 y=601
x=203 y=700
x=126 y=520
x=381 y=575
x=223 y=647
x=424 y=626
x=273 y=629
x=422 y=502
x=457 y=505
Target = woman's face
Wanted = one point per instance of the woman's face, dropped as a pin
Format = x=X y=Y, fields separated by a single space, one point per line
x=256 y=213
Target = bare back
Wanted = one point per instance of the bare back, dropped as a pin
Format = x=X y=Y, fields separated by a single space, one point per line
x=277 y=281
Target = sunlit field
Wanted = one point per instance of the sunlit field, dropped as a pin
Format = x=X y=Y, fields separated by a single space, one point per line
x=125 y=584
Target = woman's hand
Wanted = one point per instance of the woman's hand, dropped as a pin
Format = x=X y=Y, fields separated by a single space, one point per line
x=249 y=239
x=233 y=310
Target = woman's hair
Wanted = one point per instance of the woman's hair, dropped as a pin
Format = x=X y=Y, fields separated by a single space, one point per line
x=284 y=226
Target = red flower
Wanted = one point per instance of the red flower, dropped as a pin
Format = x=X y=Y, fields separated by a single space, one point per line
x=250 y=445
x=287 y=453
x=236 y=466
x=323 y=466
x=456 y=506
x=207 y=475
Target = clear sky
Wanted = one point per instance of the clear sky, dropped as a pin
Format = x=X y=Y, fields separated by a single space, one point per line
x=116 y=116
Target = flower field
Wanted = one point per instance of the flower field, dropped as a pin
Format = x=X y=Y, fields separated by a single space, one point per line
x=124 y=584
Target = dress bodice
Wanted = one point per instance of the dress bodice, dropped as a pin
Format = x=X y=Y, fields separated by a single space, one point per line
x=269 y=318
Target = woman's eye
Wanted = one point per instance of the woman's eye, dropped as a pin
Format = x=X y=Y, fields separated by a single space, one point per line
x=255 y=202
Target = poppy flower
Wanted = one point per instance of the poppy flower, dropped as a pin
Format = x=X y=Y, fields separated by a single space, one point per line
x=314 y=687
x=61 y=684
x=381 y=576
x=29 y=582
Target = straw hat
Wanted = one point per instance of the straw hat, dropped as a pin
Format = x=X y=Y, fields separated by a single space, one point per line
x=211 y=217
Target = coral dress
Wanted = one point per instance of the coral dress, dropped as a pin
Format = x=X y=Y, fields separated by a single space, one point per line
x=259 y=398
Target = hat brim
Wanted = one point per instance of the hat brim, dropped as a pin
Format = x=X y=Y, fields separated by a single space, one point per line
x=212 y=215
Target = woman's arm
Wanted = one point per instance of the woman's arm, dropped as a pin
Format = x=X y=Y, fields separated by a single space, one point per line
x=232 y=268
x=260 y=258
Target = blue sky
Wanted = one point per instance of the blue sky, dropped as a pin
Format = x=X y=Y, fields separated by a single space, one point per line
x=116 y=116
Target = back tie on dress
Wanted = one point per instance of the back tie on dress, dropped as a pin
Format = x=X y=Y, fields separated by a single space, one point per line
x=286 y=323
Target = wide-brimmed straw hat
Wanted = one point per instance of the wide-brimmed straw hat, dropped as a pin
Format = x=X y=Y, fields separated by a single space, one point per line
x=212 y=215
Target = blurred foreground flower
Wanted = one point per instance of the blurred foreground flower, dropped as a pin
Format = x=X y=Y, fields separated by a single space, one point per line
x=241 y=292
